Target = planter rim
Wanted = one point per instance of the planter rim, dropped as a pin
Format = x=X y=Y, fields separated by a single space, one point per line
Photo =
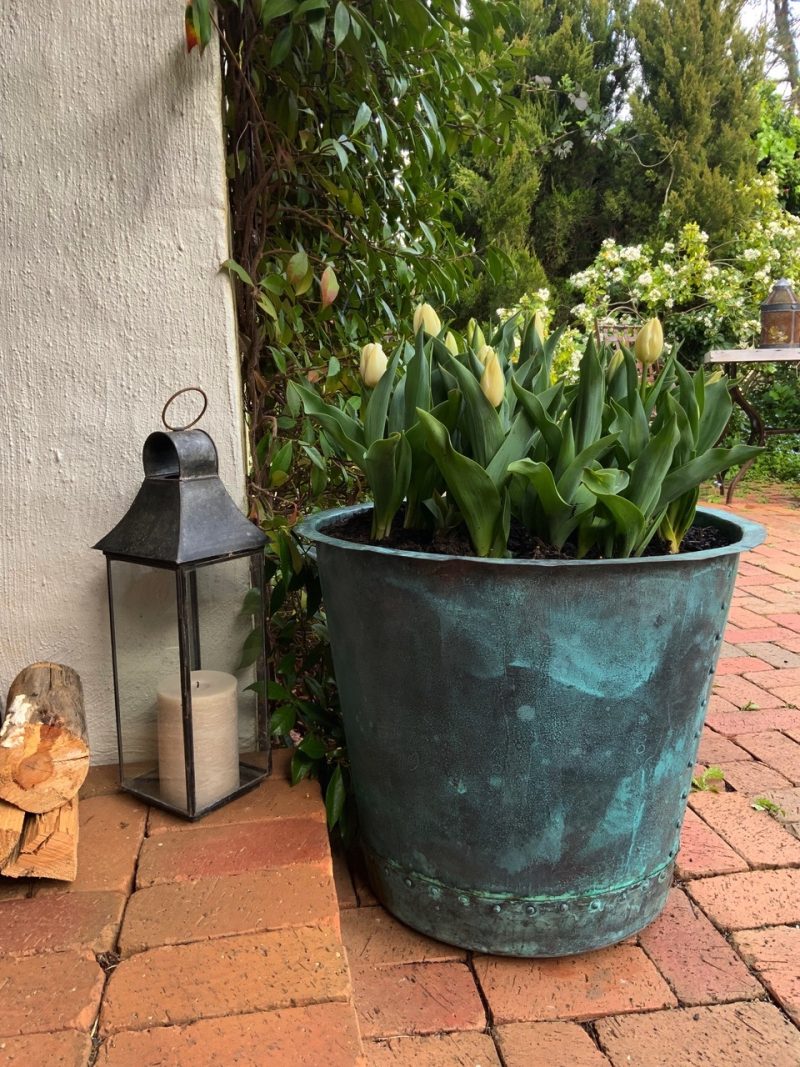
x=751 y=534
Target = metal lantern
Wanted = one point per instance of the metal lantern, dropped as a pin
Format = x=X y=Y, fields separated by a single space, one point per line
x=185 y=574
x=780 y=318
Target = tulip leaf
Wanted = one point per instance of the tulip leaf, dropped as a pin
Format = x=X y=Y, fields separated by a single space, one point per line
x=483 y=426
x=628 y=520
x=387 y=465
x=377 y=405
x=702 y=468
x=650 y=469
x=563 y=515
x=604 y=482
x=418 y=382
x=470 y=486
x=716 y=413
x=543 y=422
x=587 y=412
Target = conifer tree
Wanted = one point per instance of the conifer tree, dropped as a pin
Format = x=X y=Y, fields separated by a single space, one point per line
x=696 y=111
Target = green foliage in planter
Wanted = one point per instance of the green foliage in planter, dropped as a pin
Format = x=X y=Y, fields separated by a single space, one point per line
x=474 y=435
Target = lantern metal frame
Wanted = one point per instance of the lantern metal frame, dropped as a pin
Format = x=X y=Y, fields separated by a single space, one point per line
x=183 y=520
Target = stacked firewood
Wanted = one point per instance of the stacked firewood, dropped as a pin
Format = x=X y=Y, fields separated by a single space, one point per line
x=44 y=759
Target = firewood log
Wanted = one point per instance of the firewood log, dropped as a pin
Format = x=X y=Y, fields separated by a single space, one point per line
x=44 y=751
x=48 y=846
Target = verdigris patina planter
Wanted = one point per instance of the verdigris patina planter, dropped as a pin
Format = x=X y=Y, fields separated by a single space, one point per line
x=522 y=733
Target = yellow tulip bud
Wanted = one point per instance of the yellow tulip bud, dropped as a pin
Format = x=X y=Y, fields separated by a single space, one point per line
x=373 y=364
x=493 y=384
x=451 y=344
x=475 y=336
x=649 y=342
x=485 y=353
x=539 y=326
x=425 y=318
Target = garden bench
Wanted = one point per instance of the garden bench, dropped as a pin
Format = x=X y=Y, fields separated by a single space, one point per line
x=732 y=358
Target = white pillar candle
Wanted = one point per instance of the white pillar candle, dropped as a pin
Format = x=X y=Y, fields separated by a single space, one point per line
x=216 y=738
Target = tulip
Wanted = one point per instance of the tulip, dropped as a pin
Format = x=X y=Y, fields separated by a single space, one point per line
x=475 y=336
x=649 y=342
x=451 y=344
x=538 y=326
x=485 y=353
x=373 y=364
x=425 y=318
x=493 y=384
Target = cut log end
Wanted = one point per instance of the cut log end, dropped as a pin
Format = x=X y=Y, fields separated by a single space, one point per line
x=44 y=752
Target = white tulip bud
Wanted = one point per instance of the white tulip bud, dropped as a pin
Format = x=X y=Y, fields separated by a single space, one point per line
x=493 y=384
x=485 y=353
x=425 y=318
x=451 y=344
x=373 y=364
x=649 y=342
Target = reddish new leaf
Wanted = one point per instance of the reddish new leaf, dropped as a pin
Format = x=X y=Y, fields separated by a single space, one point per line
x=192 y=36
x=329 y=286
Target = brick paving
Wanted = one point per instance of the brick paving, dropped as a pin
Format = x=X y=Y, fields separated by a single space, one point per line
x=182 y=944
x=241 y=941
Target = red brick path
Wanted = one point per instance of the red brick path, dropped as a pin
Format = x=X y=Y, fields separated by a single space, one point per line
x=223 y=943
x=183 y=945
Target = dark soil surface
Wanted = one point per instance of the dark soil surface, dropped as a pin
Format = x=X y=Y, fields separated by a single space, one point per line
x=522 y=545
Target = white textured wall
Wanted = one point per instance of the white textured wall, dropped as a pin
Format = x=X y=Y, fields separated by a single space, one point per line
x=112 y=228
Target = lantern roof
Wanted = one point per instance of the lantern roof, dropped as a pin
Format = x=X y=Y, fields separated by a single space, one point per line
x=782 y=295
x=182 y=513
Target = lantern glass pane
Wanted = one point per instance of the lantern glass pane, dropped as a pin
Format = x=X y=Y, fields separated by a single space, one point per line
x=226 y=639
x=145 y=618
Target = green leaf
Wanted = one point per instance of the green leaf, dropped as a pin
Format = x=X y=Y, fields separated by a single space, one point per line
x=281 y=46
x=650 y=469
x=563 y=515
x=302 y=767
x=346 y=432
x=700 y=469
x=297 y=269
x=629 y=522
x=252 y=602
x=717 y=407
x=273 y=9
x=388 y=469
x=470 y=486
x=251 y=649
x=234 y=268
x=417 y=382
x=312 y=746
x=341 y=23
x=335 y=796
x=587 y=412
x=363 y=115
x=282 y=460
x=282 y=721
x=602 y=482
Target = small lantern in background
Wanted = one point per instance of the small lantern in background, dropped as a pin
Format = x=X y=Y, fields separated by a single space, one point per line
x=780 y=318
x=180 y=564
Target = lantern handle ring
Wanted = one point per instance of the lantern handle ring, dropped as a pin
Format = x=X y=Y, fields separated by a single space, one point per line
x=187 y=389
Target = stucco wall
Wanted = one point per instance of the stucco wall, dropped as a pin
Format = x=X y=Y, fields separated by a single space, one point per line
x=112 y=228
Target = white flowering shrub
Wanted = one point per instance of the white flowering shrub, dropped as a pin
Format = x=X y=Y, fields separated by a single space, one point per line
x=706 y=297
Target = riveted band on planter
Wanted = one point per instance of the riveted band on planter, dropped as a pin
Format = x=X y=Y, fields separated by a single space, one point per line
x=522 y=733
